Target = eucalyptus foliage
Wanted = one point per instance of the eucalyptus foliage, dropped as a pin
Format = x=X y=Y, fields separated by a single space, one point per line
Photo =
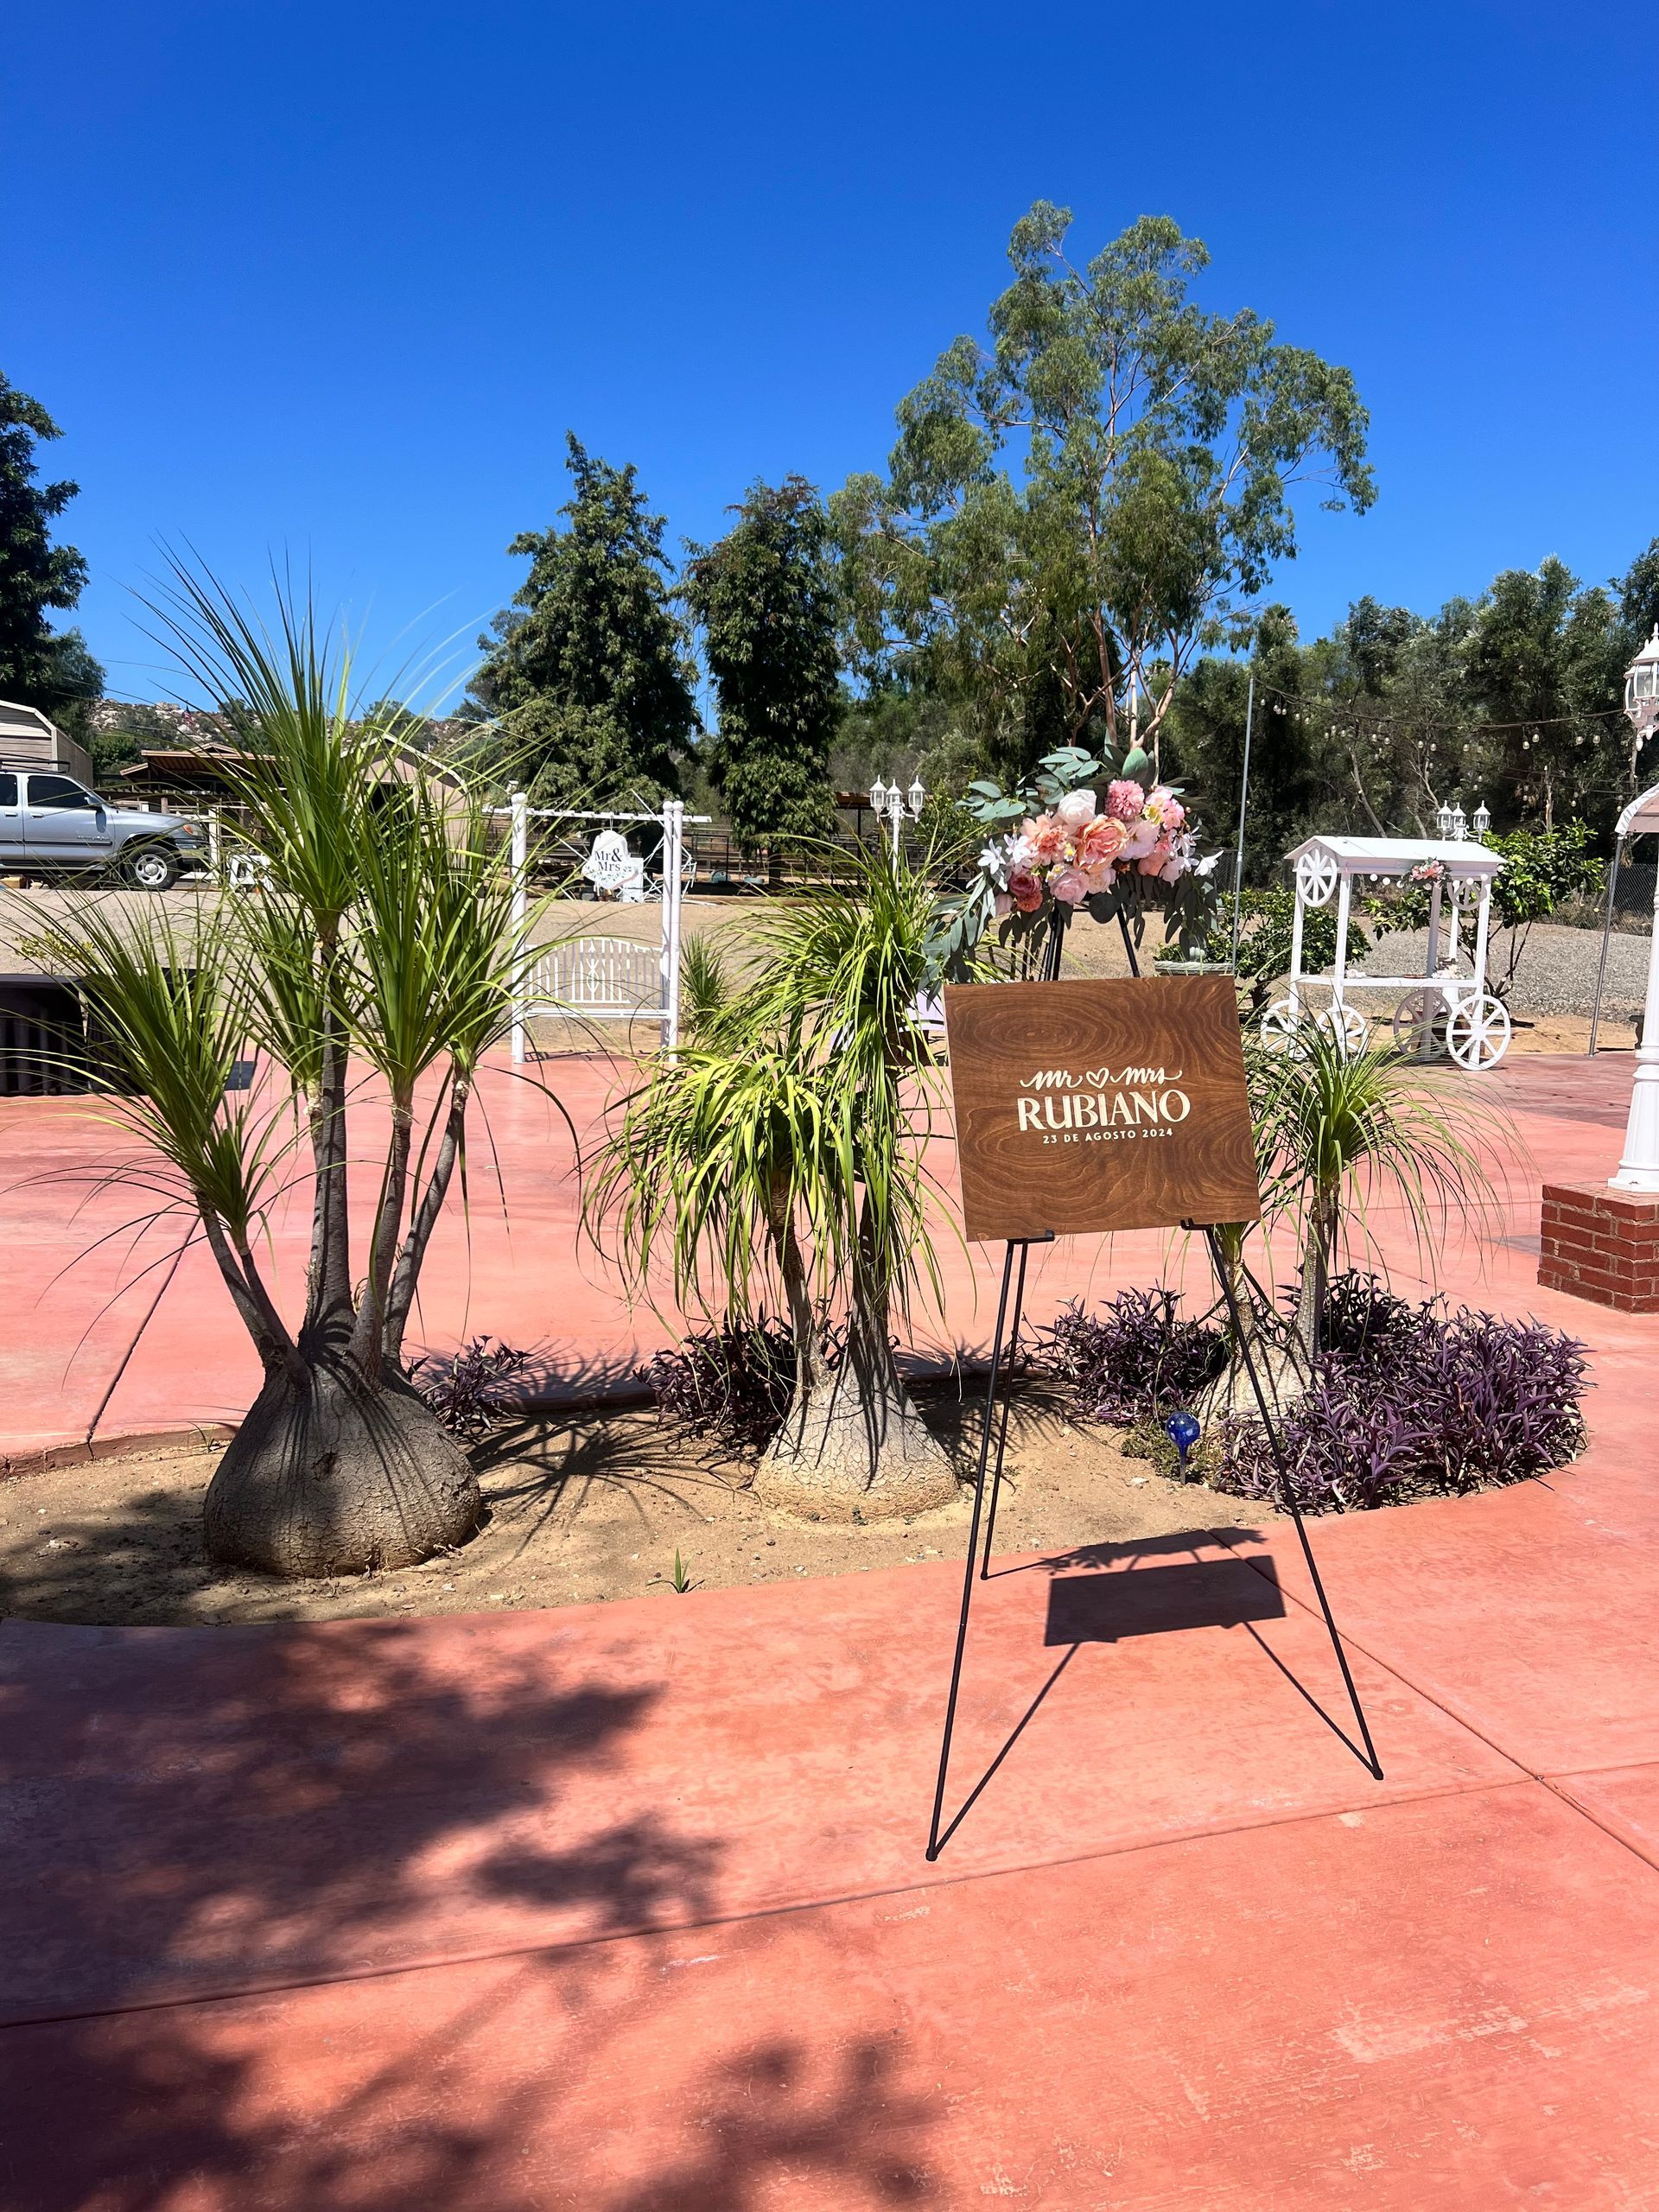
x=1077 y=506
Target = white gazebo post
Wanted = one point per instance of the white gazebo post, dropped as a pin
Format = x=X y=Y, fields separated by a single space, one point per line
x=1638 y=1170
x=518 y=808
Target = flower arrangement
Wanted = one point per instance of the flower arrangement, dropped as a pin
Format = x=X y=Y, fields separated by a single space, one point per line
x=1054 y=846
x=1429 y=871
x=1077 y=850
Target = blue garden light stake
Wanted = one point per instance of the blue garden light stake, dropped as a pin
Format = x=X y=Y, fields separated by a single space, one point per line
x=1184 y=1430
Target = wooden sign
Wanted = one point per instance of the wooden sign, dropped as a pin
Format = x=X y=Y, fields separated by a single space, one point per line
x=1102 y=1105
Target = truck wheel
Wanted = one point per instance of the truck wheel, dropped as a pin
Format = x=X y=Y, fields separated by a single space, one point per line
x=155 y=868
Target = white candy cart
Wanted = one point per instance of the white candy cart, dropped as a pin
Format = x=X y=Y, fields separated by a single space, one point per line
x=1446 y=1009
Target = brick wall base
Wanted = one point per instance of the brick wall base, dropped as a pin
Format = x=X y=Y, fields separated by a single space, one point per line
x=1602 y=1244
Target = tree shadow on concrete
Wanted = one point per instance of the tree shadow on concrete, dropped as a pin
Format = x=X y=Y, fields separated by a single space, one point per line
x=327 y=1918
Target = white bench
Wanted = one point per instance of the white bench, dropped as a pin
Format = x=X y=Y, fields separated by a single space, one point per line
x=598 y=979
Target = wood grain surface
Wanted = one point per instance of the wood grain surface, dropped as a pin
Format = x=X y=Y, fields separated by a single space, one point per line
x=1099 y=1105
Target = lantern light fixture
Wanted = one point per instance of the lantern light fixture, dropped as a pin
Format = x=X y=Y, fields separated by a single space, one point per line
x=1443 y=820
x=1483 y=819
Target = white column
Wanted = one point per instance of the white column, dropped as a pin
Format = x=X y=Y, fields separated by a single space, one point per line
x=518 y=808
x=669 y=969
x=1433 y=962
x=212 y=841
x=1639 y=1168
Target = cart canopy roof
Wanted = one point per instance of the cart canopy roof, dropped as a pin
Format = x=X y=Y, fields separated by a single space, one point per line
x=1399 y=855
x=1641 y=818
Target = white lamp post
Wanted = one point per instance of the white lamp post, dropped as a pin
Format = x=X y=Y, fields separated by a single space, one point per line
x=1638 y=1170
x=896 y=804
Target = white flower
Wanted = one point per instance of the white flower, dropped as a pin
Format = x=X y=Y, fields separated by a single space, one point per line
x=994 y=863
x=1078 y=810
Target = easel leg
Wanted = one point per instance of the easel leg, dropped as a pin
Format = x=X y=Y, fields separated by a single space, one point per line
x=1008 y=1392
x=1278 y=1451
x=973 y=1544
x=1129 y=942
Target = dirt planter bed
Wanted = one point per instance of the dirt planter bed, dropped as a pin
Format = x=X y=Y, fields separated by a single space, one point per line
x=581 y=1506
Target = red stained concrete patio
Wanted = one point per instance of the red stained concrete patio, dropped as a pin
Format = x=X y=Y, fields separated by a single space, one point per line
x=624 y=1907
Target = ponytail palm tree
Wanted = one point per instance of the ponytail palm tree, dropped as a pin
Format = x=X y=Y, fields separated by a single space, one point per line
x=373 y=969
x=781 y=1162
x=1341 y=1131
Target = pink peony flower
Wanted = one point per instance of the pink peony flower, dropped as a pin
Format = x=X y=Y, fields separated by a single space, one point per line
x=1076 y=810
x=1164 y=806
x=1099 y=874
x=1025 y=890
x=1143 y=836
x=1126 y=800
x=1070 y=885
x=1102 y=840
x=1173 y=868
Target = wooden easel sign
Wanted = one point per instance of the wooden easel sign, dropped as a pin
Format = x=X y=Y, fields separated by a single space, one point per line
x=1092 y=1106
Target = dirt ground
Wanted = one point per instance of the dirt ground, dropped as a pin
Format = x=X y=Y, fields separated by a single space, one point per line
x=586 y=1507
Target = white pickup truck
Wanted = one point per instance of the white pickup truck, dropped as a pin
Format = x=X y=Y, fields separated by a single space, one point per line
x=52 y=825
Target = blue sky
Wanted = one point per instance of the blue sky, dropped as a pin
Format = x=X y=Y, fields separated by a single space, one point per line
x=337 y=279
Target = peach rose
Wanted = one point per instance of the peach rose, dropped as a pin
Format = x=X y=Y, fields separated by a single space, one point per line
x=1046 y=837
x=1102 y=840
x=1099 y=875
x=1070 y=885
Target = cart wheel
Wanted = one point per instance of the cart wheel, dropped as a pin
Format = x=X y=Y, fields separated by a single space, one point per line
x=1349 y=1027
x=1477 y=1030
x=1419 y=1024
x=1280 y=1027
x=1316 y=878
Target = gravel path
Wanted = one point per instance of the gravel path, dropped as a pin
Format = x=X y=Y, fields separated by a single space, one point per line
x=1556 y=973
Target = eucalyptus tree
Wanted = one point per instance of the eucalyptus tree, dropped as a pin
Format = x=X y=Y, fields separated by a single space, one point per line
x=367 y=978
x=1078 y=506
x=765 y=597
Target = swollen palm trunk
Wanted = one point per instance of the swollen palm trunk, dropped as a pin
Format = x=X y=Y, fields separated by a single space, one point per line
x=852 y=1447
x=334 y=1475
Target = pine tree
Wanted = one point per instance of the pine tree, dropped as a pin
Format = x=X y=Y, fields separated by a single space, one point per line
x=588 y=669
x=39 y=667
x=765 y=596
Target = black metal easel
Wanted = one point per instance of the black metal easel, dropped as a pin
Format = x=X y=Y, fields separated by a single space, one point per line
x=1005 y=1351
